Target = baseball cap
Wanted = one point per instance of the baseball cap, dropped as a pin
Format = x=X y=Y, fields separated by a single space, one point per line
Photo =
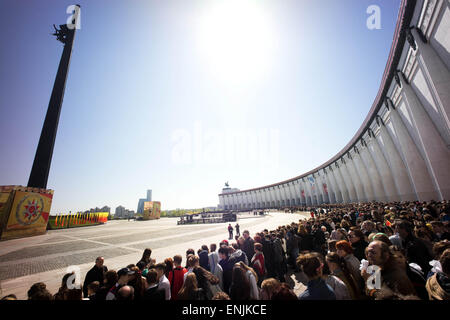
x=124 y=271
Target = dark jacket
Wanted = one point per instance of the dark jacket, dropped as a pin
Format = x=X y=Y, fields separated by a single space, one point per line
x=317 y=289
x=359 y=249
x=154 y=293
x=417 y=252
x=204 y=261
x=306 y=242
x=95 y=274
x=268 y=255
x=248 y=248
x=227 y=267
x=418 y=280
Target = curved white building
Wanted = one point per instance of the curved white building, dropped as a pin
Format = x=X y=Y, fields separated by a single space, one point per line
x=401 y=151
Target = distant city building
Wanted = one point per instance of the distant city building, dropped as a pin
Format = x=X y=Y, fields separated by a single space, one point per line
x=97 y=209
x=122 y=212
x=140 y=208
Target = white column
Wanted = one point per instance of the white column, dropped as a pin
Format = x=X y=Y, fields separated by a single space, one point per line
x=280 y=195
x=365 y=180
x=437 y=155
x=437 y=75
x=336 y=185
x=266 y=197
x=273 y=198
x=374 y=174
x=321 y=182
x=384 y=170
x=303 y=193
x=308 y=192
x=298 y=193
x=316 y=189
x=284 y=196
x=330 y=187
x=348 y=181
x=399 y=171
x=291 y=194
x=259 y=198
x=340 y=181
x=359 y=187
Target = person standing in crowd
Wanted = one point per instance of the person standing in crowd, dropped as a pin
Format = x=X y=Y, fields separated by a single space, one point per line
x=230 y=232
x=216 y=268
x=284 y=293
x=248 y=245
x=123 y=277
x=358 y=242
x=240 y=285
x=253 y=280
x=176 y=277
x=203 y=256
x=317 y=288
x=212 y=247
x=338 y=268
x=152 y=291
x=96 y=273
x=93 y=287
x=137 y=282
x=414 y=248
x=393 y=276
x=258 y=263
x=269 y=287
x=192 y=262
x=207 y=281
x=279 y=259
x=237 y=254
x=189 y=252
x=236 y=227
x=413 y=272
x=126 y=293
x=227 y=266
x=438 y=285
x=190 y=289
x=345 y=251
x=146 y=258
x=439 y=230
x=163 y=283
x=109 y=281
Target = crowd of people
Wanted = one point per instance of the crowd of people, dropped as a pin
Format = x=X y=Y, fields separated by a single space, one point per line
x=378 y=251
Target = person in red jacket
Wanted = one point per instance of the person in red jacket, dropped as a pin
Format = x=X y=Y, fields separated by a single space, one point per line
x=176 y=277
x=258 y=262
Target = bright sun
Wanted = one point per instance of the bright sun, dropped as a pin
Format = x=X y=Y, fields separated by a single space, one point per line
x=235 y=37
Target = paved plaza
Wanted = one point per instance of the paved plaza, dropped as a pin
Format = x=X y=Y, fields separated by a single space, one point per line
x=46 y=258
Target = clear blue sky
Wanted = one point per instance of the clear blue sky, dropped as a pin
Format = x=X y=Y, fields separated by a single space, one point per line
x=182 y=96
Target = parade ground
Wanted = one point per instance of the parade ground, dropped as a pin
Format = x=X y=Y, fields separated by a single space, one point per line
x=48 y=257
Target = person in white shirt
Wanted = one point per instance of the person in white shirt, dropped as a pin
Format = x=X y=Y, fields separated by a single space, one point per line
x=163 y=282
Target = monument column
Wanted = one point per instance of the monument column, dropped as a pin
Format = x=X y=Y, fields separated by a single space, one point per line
x=383 y=168
x=436 y=151
x=435 y=71
x=399 y=171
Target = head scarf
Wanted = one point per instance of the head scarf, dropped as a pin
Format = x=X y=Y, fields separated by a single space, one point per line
x=213 y=261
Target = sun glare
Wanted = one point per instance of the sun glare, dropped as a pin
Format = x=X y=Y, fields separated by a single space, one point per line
x=235 y=37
